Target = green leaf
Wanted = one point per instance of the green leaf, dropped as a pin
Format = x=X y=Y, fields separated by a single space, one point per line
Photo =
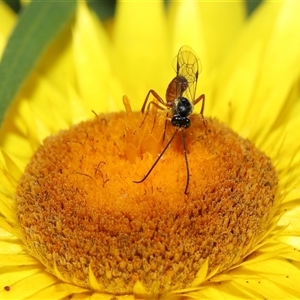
x=38 y=25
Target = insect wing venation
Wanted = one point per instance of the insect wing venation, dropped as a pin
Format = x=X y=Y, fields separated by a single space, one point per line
x=188 y=66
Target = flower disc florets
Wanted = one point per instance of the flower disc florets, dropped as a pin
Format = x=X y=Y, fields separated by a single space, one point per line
x=83 y=217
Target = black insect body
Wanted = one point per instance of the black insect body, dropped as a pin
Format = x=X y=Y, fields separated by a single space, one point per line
x=181 y=110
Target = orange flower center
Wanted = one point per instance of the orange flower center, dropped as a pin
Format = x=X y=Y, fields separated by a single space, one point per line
x=83 y=217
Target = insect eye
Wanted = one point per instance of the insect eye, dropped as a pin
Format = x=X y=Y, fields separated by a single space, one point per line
x=182 y=122
x=175 y=121
x=187 y=123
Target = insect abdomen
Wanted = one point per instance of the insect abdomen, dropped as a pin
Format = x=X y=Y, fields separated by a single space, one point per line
x=175 y=89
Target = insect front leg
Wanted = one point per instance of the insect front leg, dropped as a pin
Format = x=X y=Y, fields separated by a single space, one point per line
x=147 y=105
x=156 y=96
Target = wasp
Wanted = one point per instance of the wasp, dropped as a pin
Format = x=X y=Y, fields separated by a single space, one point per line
x=179 y=103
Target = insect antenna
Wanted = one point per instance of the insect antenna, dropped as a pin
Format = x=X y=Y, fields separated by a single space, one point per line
x=186 y=162
x=165 y=129
x=159 y=157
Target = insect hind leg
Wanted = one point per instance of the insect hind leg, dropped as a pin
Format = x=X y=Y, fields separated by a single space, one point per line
x=201 y=98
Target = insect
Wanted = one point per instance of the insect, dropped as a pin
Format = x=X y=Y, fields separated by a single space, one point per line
x=180 y=101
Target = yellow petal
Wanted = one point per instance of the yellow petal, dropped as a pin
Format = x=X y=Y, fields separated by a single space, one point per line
x=8 y=244
x=187 y=28
x=57 y=291
x=222 y=22
x=19 y=259
x=257 y=78
x=208 y=27
x=142 y=58
x=256 y=91
x=92 y=61
x=13 y=275
x=27 y=286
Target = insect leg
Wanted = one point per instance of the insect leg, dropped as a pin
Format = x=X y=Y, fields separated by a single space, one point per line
x=167 y=117
x=201 y=98
x=147 y=111
x=159 y=157
x=158 y=98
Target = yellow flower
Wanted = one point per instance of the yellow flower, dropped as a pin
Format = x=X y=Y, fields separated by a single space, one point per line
x=250 y=78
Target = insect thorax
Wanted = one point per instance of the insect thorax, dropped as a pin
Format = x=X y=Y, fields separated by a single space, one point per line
x=181 y=110
x=182 y=107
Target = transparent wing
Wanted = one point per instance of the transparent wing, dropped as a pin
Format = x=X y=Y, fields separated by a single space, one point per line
x=188 y=66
